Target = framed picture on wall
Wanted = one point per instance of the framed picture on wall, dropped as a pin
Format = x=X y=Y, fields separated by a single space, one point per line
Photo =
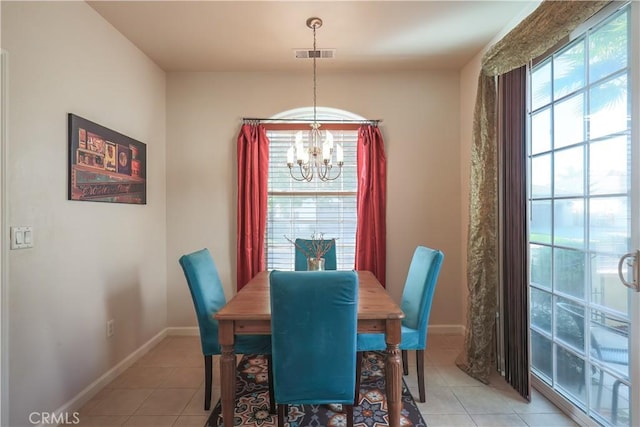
x=104 y=165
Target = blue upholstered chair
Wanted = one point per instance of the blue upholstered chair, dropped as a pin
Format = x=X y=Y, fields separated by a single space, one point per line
x=301 y=259
x=208 y=297
x=314 y=317
x=417 y=296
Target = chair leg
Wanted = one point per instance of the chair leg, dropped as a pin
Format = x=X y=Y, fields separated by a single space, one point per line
x=272 y=400
x=207 y=381
x=349 y=415
x=420 y=366
x=359 y=356
x=283 y=411
x=405 y=363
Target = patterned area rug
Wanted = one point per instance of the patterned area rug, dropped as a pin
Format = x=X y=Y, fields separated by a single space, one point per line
x=252 y=400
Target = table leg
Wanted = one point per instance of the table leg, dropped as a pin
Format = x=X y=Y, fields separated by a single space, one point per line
x=227 y=372
x=393 y=371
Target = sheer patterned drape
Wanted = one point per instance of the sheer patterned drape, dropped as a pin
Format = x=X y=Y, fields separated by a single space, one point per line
x=371 y=234
x=540 y=31
x=253 y=174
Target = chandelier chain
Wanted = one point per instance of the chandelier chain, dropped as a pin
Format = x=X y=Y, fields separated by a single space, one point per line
x=314 y=74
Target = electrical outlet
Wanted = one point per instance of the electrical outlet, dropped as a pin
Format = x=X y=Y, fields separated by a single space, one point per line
x=111 y=328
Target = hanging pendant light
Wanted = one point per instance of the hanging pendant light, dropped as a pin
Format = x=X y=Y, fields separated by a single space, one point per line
x=315 y=159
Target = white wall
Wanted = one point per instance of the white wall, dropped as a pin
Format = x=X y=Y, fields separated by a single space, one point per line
x=421 y=130
x=91 y=261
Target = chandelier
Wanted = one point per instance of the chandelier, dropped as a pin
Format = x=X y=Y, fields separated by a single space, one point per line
x=314 y=159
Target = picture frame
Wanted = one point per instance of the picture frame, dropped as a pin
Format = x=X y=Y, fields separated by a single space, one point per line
x=105 y=165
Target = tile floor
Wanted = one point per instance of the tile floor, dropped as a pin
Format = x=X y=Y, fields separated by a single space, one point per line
x=165 y=388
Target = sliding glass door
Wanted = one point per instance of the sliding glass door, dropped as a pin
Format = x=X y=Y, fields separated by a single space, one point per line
x=584 y=217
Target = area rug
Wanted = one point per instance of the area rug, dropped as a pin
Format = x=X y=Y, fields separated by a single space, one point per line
x=252 y=400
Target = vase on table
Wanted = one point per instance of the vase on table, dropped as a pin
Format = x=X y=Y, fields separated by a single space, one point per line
x=315 y=264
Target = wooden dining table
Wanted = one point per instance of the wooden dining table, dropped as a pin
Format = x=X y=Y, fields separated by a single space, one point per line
x=249 y=312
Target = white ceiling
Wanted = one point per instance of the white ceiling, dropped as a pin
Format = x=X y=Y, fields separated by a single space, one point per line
x=261 y=35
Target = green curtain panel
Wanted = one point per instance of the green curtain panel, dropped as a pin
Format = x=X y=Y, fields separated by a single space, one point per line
x=541 y=30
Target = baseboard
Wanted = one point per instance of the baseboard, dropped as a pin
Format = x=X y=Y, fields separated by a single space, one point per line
x=446 y=330
x=91 y=390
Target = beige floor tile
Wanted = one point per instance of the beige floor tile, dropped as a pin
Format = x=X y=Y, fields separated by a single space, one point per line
x=166 y=388
x=196 y=404
x=118 y=401
x=169 y=401
x=441 y=357
x=151 y=421
x=440 y=400
x=183 y=343
x=102 y=420
x=184 y=378
x=547 y=420
x=141 y=377
x=191 y=421
x=454 y=376
x=482 y=400
x=498 y=420
x=539 y=405
x=448 y=420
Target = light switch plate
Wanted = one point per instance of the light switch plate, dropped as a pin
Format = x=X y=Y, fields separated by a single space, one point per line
x=21 y=237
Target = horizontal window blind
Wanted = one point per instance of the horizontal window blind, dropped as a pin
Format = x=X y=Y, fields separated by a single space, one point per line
x=300 y=209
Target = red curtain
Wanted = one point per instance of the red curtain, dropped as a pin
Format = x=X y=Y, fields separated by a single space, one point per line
x=371 y=235
x=253 y=174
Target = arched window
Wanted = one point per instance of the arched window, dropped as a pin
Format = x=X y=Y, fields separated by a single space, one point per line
x=299 y=209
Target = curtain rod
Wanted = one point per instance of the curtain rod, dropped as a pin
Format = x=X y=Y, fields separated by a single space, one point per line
x=259 y=120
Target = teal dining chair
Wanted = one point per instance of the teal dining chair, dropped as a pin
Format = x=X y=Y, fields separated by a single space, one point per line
x=330 y=262
x=208 y=297
x=314 y=316
x=419 y=288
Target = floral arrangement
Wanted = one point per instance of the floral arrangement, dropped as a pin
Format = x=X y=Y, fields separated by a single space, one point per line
x=316 y=248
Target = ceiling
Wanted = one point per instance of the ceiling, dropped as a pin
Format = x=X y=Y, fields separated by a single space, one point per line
x=261 y=35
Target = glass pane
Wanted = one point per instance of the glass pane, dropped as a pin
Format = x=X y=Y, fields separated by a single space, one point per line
x=609 y=166
x=568 y=168
x=541 y=131
x=569 y=121
x=570 y=375
x=606 y=289
x=540 y=222
x=610 y=396
x=610 y=342
x=609 y=224
x=608 y=48
x=568 y=223
x=540 y=267
x=570 y=324
x=569 y=272
x=541 y=353
x=541 y=310
x=568 y=70
x=609 y=108
x=541 y=85
x=541 y=176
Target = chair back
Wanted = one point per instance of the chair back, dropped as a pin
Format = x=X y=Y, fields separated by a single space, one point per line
x=419 y=289
x=330 y=262
x=207 y=294
x=314 y=317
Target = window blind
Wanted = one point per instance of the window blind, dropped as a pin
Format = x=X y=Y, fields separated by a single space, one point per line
x=300 y=209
